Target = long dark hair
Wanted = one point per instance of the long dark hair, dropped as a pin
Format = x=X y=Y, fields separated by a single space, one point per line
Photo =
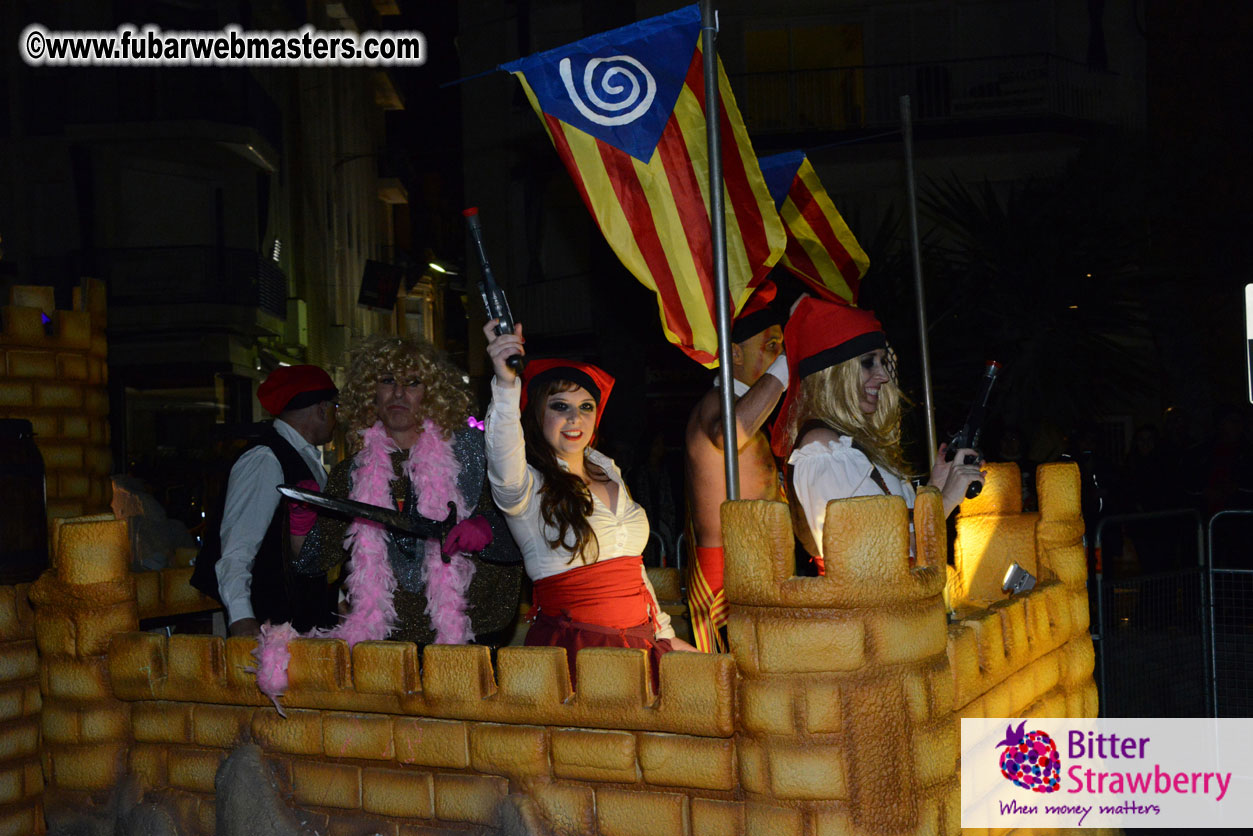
x=565 y=502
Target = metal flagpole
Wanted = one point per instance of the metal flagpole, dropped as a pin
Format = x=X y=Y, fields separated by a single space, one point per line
x=907 y=128
x=717 y=222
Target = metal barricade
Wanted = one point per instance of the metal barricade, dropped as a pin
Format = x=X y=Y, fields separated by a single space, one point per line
x=1231 y=612
x=1150 y=628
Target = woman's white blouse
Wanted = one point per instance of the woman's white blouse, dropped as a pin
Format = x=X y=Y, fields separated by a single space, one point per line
x=827 y=470
x=515 y=487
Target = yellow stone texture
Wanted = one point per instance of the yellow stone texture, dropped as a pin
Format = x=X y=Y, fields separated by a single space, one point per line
x=717 y=818
x=362 y=736
x=985 y=548
x=533 y=676
x=75 y=679
x=32 y=364
x=907 y=636
x=59 y=722
x=16 y=618
x=397 y=793
x=97 y=626
x=193 y=769
x=456 y=674
x=92 y=768
x=23 y=326
x=670 y=760
x=935 y=752
x=568 y=808
x=814 y=771
x=19 y=738
x=589 y=755
x=385 y=667
x=40 y=297
x=326 y=784
x=698 y=692
x=822 y=707
x=12 y=699
x=1058 y=489
x=161 y=722
x=468 y=798
x=16 y=395
x=11 y=784
x=881 y=784
x=318 y=665
x=55 y=632
x=437 y=743
x=768 y=818
x=196 y=665
x=105 y=722
x=19 y=660
x=221 y=726
x=613 y=679
x=300 y=733
x=639 y=813
x=93 y=552
x=754 y=533
x=19 y=820
x=767 y=706
x=754 y=773
x=812 y=645
x=513 y=751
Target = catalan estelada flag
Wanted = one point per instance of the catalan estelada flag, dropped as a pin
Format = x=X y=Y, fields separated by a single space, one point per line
x=626 y=112
x=821 y=249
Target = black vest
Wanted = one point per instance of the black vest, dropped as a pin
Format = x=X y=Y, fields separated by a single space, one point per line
x=279 y=594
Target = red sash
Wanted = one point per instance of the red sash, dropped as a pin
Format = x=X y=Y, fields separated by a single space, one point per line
x=608 y=593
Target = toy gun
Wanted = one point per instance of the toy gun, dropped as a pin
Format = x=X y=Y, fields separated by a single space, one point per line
x=968 y=435
x=494 y=301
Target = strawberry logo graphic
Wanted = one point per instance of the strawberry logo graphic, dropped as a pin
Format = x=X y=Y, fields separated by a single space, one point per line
x=1030 y=760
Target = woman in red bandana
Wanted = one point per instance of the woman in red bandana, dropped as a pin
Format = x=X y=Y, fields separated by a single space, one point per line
x=580 y=533
x=839 y=429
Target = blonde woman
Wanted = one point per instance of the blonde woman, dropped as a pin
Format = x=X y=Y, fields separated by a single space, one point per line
x=839 y=430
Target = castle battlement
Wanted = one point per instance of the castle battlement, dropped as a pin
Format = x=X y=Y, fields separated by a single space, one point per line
x=55 y=376
x=836 y=712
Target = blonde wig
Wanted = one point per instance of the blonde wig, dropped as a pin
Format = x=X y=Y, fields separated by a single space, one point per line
x=833 y=396
x=446 y=400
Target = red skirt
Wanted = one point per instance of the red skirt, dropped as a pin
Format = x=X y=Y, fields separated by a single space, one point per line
x=597 y=606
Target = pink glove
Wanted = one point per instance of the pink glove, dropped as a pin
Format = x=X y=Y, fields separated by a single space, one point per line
x=469 y=535
x=300 y=516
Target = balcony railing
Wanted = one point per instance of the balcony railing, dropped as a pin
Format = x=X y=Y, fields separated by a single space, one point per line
x=195 y=276
x=867 y=97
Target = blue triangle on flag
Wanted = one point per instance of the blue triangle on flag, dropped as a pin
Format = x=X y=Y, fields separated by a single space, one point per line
x=779 y=170
x=619 y=86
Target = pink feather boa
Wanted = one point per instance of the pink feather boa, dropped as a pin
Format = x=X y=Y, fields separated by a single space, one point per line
x=370 y=586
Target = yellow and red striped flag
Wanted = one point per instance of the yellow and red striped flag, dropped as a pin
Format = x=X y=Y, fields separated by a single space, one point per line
x=821 y=250
x=625 y=110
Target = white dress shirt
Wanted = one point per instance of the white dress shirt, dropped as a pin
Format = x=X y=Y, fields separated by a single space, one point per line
x=827 y=470
x=251 y=500
x=515 y=487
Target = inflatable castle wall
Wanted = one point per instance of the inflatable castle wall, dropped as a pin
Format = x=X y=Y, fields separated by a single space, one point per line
x=836 y=712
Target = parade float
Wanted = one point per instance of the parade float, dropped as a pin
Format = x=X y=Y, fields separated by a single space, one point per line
x=837 y=711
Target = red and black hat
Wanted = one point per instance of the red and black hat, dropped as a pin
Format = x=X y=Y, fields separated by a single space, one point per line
x=295 y=387
x=597 y=381
x=819 y=335
x=758 y=313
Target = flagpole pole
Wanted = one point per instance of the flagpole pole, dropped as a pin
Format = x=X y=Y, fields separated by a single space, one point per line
x=718 y=227
x=907 y=128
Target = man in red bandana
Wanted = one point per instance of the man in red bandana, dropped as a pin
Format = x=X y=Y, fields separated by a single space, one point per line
x=249 y=569
x=759 y=368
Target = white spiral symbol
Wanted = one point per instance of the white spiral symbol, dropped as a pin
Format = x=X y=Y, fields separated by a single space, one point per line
x=623 y=85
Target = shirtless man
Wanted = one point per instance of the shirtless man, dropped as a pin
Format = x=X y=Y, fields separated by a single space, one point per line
x=759 y=368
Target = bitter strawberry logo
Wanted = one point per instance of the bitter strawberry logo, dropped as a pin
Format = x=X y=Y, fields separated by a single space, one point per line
x=1030 y=760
